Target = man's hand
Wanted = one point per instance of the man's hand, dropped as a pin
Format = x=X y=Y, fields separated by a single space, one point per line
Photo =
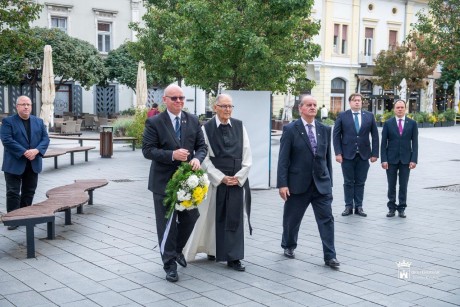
x=373 y=159
x=385 y=165
x=412 y=165
x=195 y=163
x=31 y=154
x=284 y=193
x=339 y=158
x=230 y=180
x=181 y=154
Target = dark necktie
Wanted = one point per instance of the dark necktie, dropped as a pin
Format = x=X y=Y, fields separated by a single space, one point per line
x=356 y=122
x=177 y=128
x=400 y=126
x=311 y=136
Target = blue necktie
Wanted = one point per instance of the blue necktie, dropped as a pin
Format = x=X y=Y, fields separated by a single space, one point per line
x=356 y=122
x=177 y=128
x=311 y=136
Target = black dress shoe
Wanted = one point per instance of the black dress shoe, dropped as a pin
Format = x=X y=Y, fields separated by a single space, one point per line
x=236 y=265
x=391 y=213
x=181 y=260
x=172 y=276
x=347 y=211
x=211 y=257
x=402 y=214
x=12 y=227
x=333 y=263
x=359 y=211
x=289 y=252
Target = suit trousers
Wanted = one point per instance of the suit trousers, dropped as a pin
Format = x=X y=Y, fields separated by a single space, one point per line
x=354 y=177
x=176 y=236
x=20 y=189
x=294 y=210
x=393 y=172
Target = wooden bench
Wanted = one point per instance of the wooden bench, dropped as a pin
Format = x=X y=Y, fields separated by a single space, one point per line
x=56 y=152
x=80 y=139
x=62 y=198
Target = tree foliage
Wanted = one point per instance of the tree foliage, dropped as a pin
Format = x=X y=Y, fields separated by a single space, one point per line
x=16 y=14
x=73 y=59
x=243 y=44
x=391 y=66
x=122 y=66
x=436 y=36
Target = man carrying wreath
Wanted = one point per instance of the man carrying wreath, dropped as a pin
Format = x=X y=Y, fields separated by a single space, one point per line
x=220 y=230
x=170 y=138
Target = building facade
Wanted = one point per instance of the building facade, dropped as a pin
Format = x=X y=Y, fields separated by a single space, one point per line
x=352 y=33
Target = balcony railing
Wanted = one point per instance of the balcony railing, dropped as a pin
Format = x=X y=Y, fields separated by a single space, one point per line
x=366 y=59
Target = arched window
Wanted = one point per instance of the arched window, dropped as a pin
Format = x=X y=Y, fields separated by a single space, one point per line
x=338 y=95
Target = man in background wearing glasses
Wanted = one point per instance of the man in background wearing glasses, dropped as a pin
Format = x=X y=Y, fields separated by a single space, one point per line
x=25 y=141
x=170 y=138
x=220 y=230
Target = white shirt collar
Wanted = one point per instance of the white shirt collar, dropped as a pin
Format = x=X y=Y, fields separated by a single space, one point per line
x=403 y=118
x=305 y=122
x=173 y=117
x=218 y=122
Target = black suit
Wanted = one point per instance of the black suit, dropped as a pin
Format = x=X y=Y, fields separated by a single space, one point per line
x=309 y=179
x=159 y=142
x=398 y=151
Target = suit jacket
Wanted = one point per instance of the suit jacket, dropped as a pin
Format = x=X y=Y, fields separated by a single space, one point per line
x=399 y=148
x=159 y=142
x=298 y=167
x=15 y=143
x=346 y=139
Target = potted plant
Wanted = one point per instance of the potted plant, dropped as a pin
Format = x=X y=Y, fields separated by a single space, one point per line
x=449 y=116
x=378 y=120
x=431 y=120
x=419 y=119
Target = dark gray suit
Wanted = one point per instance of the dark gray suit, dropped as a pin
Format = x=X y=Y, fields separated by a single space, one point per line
x=309 y=179
x=159 y=142
x=398 y=151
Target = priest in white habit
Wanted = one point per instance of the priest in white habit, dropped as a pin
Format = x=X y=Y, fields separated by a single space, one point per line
x=219 y=232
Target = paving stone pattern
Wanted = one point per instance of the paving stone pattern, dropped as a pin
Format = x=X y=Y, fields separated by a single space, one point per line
x=109 y=256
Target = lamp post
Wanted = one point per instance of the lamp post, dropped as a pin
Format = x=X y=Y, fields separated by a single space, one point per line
x=445 y=86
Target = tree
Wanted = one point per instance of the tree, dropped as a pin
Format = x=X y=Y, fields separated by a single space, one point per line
x=16 y=14
x=391 y=66
x=244 y=44
x=122 y=66
x=73 y=59
x=436 y=36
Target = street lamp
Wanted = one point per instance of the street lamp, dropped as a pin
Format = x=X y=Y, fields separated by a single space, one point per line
x=445 y=86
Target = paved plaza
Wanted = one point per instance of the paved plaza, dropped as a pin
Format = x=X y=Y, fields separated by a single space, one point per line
x=109 y=255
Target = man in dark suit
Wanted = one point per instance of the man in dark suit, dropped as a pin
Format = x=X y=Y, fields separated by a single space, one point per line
x=170 y=138
x=353 y=151
x=399 y=155
x=25 y=141
x=304 y=177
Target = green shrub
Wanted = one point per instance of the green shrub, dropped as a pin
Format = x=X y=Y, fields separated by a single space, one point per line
x=136 y=129
x=121 y=124
x=449 y=115
x=130 y=112
x=378 y=118
x=419 y=118
x=387 y=115
x=328 y=122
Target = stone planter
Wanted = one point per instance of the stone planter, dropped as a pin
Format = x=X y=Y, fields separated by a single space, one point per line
x=448 y=124
x=420 y=125
x=428 y=125
x=438 y=124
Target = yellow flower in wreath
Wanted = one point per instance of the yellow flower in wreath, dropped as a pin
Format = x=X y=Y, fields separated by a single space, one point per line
x=198 y=194
x=186 y=203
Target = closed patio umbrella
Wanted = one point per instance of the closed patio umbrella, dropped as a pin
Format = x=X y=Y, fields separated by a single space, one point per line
x=429 y=97
x=141 y=86
x=403 y=90
x=288 y=105
x=456 y=95
x=48 y=88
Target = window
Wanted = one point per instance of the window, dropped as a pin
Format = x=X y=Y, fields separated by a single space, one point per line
x=104 y=36
x=369 y=37
x=340 y=39
x=393 y=39
x=337 y=95
x=59 y=23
